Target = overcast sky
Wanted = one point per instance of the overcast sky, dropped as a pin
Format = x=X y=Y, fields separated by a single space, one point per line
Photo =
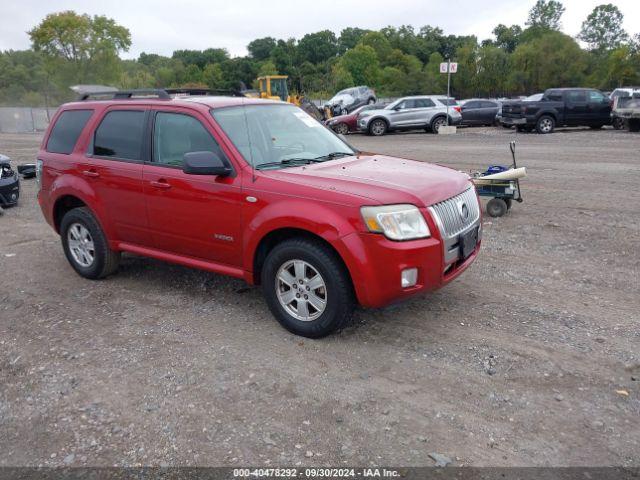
x=163 y=26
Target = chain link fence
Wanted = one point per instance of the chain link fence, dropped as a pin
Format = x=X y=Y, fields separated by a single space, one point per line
x=24 y=119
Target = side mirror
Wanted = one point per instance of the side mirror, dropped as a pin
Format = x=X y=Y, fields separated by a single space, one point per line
x=398 y=108
x=205 y=163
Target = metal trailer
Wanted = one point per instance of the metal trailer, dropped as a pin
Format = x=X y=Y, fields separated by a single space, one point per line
x=502 y=192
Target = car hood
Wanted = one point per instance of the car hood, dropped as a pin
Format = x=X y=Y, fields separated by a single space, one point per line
x=381 y=179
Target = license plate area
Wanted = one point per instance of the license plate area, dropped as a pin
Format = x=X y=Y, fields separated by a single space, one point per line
x=467 y=242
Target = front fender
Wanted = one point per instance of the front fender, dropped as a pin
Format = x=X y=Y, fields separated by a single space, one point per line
x=328 y=221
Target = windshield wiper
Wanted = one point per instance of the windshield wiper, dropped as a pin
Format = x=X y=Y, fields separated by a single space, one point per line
x=332 y=155
x=288 y=162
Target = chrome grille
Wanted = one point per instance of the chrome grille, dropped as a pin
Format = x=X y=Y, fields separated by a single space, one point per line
x=449 y=213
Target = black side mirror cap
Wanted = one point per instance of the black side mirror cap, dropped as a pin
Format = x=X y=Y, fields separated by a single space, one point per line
x=205 y=163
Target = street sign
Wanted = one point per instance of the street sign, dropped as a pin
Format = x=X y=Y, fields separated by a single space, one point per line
x=452 y=67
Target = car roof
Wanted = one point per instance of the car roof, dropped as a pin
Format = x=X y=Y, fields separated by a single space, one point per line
x=564 y=89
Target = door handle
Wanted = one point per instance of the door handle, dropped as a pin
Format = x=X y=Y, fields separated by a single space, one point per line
x=160 y=184
x=90 y=173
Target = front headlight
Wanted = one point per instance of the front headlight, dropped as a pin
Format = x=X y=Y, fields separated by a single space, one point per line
x=397 y=222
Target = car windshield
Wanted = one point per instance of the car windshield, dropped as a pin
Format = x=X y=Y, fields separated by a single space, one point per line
x=276 y=136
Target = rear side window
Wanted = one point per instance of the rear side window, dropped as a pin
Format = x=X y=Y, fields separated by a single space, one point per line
x=489 y=105
x=66 y=131
x=120 y=135
x=448 y=101
x=424 y=103
x=596 y=97
x=577 y=96
x=553 y=95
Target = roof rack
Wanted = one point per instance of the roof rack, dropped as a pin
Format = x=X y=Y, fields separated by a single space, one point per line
x=203 y=91
x=160 y=93
x=126 y=94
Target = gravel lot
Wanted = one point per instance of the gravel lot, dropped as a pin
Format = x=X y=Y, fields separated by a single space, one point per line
x=531 y=358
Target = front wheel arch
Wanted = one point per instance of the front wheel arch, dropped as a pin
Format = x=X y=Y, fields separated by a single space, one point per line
x=274 y=237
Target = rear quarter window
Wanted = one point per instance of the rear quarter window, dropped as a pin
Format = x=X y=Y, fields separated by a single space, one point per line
x=66 y=130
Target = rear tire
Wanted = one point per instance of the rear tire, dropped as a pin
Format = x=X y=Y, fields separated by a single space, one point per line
x=86 y=246
x=545 y=124
x=377 y=127
x=496 y=207
x=299 y=265
x=618 y=123
x=371 y=101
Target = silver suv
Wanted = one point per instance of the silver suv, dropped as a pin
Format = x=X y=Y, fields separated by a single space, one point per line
x=407 y=113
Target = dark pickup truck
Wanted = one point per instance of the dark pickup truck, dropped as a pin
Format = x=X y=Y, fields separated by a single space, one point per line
x=558 y=107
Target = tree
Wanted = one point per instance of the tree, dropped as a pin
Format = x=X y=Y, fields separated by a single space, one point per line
x=380 y=45
x=318 y=47
x=507 y=38
x=551 y=60
x=349 y=38
x=82 y=41
x=602 y=29
x=362 y=63
x=260 y=49
x=546 y=15
x=267 y=68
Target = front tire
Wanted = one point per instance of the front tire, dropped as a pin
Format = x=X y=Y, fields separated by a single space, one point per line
x=307 y=288
x=545 y=124
x=341 y=128
x=86 y=246
x=437 y=123
x=377 y=127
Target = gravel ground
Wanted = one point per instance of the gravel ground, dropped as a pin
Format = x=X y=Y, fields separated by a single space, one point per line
x=531 y=358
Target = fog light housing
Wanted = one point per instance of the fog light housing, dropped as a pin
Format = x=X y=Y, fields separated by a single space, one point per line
x=409 y=277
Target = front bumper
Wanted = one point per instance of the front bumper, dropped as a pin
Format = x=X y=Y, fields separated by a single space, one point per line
x=9 y=191
x=376 y=264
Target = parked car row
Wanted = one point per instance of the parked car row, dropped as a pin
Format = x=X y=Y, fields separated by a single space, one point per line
x=541 y=112
x=428 y=112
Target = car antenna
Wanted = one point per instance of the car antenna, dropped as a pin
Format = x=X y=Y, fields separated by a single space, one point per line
x=246 y=123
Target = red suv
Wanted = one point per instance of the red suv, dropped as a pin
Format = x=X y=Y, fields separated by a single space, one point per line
x=257 y=190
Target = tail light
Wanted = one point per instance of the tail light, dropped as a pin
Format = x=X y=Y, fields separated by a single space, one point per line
x=524 y=110
x=457 y=109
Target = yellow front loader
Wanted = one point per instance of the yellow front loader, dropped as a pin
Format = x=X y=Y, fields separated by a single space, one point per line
x=274 y=87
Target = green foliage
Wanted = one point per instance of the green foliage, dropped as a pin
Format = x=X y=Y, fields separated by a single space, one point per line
x=546 y=14
x=602 y=29
x=261 y=49
x=318 y=47
x=551 y=60
x=362 y=64
x=88 y=45
x=69 y=48
x=507 y=38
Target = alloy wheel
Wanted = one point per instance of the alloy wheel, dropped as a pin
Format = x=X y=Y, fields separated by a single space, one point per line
x=301 y=290
x=81 y=244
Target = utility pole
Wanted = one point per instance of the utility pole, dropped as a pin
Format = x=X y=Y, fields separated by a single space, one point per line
x=448 y=86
